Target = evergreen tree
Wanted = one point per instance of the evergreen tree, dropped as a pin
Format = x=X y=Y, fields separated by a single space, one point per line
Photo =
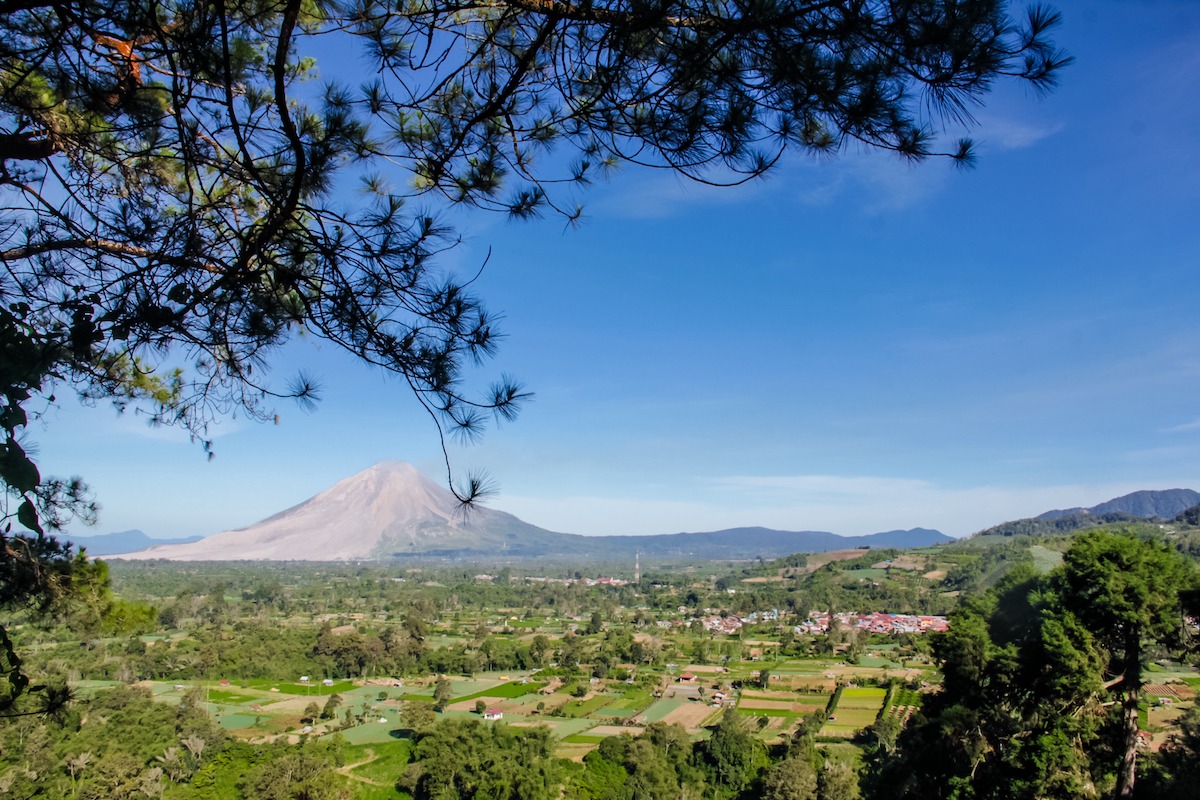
x=1127 y=592
x=732 y=757
x=1022 y=711
x=172 y=183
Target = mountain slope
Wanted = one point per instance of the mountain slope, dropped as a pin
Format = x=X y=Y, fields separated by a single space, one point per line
x=392 y=511
x=388 y=509
x=1166 y=503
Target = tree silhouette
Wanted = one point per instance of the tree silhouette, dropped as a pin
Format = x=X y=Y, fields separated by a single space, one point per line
x=177 y=197
x=175 y=190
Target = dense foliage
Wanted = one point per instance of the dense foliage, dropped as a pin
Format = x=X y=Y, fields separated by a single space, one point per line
x=1042 y=678
x=177 y=192
x=1037 y=678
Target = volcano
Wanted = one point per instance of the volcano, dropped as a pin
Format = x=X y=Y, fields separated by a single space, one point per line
x=386 y=511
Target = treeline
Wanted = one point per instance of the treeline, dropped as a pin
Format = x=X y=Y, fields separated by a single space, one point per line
x=121 y=744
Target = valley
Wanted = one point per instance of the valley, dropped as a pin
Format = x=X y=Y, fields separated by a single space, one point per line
x=360 y=669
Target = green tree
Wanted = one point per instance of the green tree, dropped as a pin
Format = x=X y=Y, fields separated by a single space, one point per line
x=465 y=759
x=45 y=580
x=305 y=775
x=1126 y=592
x=442 y=693
x=416 y=715
x=1017 y=711
x=838 y=781
x=732 y=756
x=179 y=217
x=790 y=779
x=329 y=710
x=1026 y=671
x=172 y=184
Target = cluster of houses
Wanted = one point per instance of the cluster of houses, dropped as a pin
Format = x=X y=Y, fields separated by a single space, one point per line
x=819 y=622
x=603 y=581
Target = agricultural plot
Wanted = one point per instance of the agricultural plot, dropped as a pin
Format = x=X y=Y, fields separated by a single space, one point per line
x=372 y=733
x=692 y=715
x=781 y=704
x=856 y=709
x=377 y=766
x=582 y=708
x=659 y=709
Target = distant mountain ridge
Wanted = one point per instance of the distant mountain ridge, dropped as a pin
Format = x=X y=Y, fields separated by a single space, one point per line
x=393 y=511
x=1133 y=507
x=122 y=542
x=1164 y=503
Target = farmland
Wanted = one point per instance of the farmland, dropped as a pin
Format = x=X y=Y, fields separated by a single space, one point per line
x=374 y=671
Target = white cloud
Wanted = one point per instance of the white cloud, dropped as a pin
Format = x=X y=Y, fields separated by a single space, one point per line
x=847 y=505
x=1006 y=133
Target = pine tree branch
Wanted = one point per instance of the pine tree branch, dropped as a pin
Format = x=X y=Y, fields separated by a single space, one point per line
x=104 y=246
x=25 y=147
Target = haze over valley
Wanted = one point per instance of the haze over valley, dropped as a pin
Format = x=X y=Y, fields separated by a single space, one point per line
x=393 y=511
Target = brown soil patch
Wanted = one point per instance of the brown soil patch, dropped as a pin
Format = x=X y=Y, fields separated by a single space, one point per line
x=935 y=574
x=781 y=705
x=613 y=730
x=763 y=694
x=469 y=705
x=765 y=579
x=575 y=752
x=818 y=560
x=690 y=716
x=292 y=704
x=807 y=683
x=704 y=669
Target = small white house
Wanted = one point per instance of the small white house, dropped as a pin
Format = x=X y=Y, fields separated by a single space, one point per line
x=493 y=713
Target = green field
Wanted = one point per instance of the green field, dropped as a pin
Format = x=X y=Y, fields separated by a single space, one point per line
x=511 y=690
x=377 y=767
x=314 y=689
x=770 y=712
x=661 y=707
x=581 y=708
x=233 y=722
x=222 y=696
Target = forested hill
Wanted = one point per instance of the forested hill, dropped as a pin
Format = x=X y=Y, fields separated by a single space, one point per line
x=1134 y=507
x=1051 y=526
x=1167 y=503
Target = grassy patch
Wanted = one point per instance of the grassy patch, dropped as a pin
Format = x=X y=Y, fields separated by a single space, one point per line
x=382 y=763
x=661 y=708
x=231 y=722
x=770 y=712
x=581 y=708
x=1044 y=559
x=868 y=699
x=221 y=696
x=583 y=738
x=315 y=689
x=508 y=691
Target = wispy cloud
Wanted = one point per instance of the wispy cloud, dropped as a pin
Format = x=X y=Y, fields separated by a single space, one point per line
x=1194 y=425
x=847 y=505
x=1007 y=133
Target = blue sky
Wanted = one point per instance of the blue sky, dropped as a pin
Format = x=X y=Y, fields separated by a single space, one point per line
x=853 y=345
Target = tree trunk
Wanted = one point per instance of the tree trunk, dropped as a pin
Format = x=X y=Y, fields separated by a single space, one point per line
x=1131 y=689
